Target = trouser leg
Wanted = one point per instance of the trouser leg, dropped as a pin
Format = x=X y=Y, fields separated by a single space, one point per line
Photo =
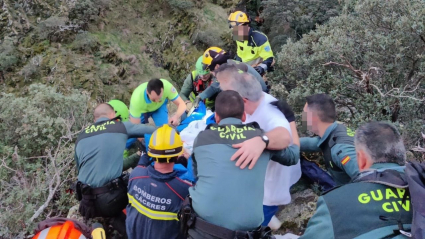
x=269 y=212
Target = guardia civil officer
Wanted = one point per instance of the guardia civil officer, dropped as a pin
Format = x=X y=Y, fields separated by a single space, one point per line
x=335 y=140
x=99 y=157
x=375 y=204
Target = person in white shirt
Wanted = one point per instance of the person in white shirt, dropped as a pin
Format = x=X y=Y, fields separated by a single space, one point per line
x=258 y=108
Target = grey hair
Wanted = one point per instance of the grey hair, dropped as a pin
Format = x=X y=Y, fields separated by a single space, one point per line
x=247 y=86
x=382 y=142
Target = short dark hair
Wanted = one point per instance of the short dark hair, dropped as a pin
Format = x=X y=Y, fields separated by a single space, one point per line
x=382 y=142
x=155 y=85
x=324 y=107
x=229 y=104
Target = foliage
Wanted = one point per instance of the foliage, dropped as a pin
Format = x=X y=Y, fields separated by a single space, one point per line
x=291 y=19
x=36 y=155
x=371 y=61
x=181 y=4
x=86 y=11
x=8 y=55
x=85 y=42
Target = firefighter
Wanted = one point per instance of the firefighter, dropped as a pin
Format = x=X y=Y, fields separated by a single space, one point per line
x=253 y=47
x=155 y=192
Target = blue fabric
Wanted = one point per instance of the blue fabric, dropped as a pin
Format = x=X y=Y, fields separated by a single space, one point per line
x=269 y=212
x=315 y=174
x=197 y=114
x=159 y=116
x=211 y=119
x=188 y=175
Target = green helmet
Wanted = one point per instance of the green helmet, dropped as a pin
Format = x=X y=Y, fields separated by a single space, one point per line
x=120 y=109
x=199 y=67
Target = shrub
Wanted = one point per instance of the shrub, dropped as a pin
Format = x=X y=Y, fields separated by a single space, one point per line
x=8 y=54
x=371 y=61
x=36 y=155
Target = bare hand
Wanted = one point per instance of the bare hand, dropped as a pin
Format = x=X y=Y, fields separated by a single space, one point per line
x=174 y=120
x=249 y=152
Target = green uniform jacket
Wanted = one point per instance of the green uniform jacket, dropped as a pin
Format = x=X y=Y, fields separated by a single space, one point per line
x=99 y=150
x=354 y=210
x=342 y=160
x=188 y=91
x=224 y=194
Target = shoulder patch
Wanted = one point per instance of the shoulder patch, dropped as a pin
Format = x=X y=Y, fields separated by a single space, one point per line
x=345 y=160
x=267 y=48
x=173 y=90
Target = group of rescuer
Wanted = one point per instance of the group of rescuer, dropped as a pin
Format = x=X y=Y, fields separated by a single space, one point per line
x=244 y=163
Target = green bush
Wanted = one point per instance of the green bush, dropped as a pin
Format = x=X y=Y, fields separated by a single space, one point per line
x=8 y=55
x=36 y=153
x=371 y=61
x=292 y=19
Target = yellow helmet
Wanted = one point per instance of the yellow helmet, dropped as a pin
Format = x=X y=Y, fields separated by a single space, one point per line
x=238 y=18
x=165 y=144
x=209 y=55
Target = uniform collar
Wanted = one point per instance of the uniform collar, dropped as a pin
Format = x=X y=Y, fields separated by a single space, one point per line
x=102 y=119
x=230 y=120
x=327 y=133
x=379 y=166
x=160 y=176
x=147 y=97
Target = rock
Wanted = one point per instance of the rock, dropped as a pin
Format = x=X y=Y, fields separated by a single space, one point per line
x=294 y=216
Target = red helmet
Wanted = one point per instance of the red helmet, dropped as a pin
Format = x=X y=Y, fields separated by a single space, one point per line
x=64 y=231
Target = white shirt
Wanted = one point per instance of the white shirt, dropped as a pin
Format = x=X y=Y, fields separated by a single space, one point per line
x=279 y=178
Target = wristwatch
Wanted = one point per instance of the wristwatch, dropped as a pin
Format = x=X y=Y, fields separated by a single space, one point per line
x=265 y=139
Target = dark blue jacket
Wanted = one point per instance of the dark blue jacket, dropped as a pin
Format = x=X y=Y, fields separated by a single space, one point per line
x=154 y=201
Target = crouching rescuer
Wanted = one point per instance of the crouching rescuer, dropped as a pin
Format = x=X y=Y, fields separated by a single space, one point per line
x=102 y=187
x=155 y=192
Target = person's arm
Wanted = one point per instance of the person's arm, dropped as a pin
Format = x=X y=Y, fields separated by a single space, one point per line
x=138 y=130
x=181 y=108
x=131 y=161
x=257 y=76
x=344 y=156
x=211 y=90
x=250 y=150
x=187 y=88
x=267 y=54
x=309 y=144
x=289 y=156
x=294 y=131
x=320 y=225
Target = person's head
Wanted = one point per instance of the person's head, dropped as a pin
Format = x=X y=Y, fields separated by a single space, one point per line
x=204 y=74
x=213 y=57
x=225 y=73
x=165 y=145
x=229 y=104
x=378 y=142
x=239 y=23
x=248 y=88
x=155 y=90
x=319 y=110
x=120 y=109
x=103 y=110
